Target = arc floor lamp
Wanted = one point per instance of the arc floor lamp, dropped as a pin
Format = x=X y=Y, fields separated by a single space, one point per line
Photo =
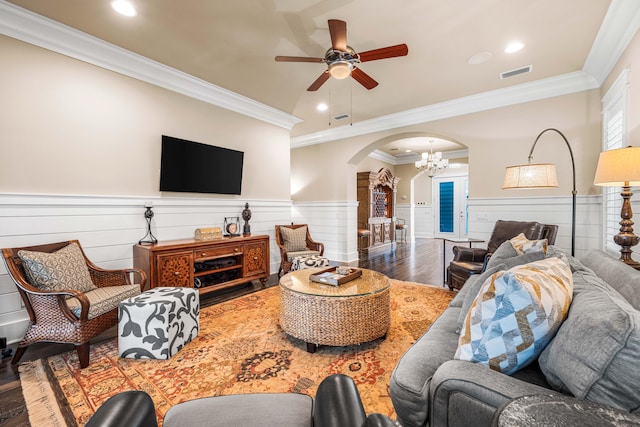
x=542 y=175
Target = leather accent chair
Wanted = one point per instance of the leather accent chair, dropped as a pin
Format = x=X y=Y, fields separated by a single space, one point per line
x=468 y=261
x=337 y=404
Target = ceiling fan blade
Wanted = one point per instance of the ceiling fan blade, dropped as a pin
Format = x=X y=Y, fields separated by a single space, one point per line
x=384 y=52
x=363 y=78
x=338 y=32
x=319 y=81
x=298 y=59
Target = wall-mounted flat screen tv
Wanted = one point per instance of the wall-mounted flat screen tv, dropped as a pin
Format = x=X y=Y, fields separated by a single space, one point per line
x=192 y=167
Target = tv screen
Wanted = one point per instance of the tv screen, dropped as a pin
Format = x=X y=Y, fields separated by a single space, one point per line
x=192 y=167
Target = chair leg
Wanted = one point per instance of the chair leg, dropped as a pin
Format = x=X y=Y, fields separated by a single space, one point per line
x=83 y=354
x=18 y=354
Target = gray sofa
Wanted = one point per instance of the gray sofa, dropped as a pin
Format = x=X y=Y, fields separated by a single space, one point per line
x=595 y=355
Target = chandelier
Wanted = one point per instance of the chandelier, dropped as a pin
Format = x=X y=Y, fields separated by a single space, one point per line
x=432 y=163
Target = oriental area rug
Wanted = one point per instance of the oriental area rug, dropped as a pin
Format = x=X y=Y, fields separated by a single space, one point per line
x=240 y=349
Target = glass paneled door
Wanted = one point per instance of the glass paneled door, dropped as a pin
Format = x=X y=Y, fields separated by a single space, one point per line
x=450 y=195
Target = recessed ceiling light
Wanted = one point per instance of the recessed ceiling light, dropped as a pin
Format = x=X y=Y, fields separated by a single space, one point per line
x=124 y=7
x=513 y=47
x=479 y=58
x=322 y=107
x=407 y=151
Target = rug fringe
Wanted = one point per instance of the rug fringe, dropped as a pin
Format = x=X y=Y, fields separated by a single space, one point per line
x=39 y=397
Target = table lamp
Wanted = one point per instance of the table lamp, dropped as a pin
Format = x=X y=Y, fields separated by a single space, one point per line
x=621 y=168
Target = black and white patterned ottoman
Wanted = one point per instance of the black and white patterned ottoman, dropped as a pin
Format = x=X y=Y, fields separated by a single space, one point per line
x=157 y=323
x=302 y=262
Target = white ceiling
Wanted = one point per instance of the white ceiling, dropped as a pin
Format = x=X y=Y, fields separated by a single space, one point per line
x=232 y=44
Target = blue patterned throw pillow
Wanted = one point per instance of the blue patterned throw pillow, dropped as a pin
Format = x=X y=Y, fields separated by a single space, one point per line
x=515 y=315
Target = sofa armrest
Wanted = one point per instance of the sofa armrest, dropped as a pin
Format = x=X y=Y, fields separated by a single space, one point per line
x=464 y=393
x=462 y=253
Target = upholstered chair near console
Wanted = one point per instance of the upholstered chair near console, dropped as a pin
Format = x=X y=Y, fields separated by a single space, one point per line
x=295 y=240
x=468 y=261
x=69 y=299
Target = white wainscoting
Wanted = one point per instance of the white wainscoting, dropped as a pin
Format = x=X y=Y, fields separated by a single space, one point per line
x=423 y=217
x=108 y=227
x=333 y=223
x=484 y=212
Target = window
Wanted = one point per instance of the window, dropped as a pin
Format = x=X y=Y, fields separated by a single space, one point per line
x=614 y=128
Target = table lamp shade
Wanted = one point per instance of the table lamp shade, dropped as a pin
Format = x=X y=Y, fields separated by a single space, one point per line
x=619 y=168
x=541 y=175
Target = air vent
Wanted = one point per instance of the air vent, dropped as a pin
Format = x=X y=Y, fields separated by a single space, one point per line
x=341 y=116
x=515 y=72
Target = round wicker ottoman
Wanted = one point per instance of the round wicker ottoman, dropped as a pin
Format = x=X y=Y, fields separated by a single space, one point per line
x=319 y=314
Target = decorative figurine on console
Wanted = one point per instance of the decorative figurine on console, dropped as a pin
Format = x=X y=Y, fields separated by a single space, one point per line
x=148 y=215
x=246 y=215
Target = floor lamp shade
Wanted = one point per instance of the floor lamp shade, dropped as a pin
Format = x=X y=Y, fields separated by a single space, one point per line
x=541 y=175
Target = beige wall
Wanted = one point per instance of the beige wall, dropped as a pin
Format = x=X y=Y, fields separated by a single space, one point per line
x=72 y=128
x=495 y=139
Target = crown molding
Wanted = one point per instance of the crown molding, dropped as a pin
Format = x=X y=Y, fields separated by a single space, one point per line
x=563 y=84
x=38 y=30
x=619 y=25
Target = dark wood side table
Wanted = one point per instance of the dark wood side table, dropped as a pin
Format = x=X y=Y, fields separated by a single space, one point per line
x=458 y=241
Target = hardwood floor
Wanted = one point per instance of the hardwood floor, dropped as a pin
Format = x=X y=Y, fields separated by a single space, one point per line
x=420 y=262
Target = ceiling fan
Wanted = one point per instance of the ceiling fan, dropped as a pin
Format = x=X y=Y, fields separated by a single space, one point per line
x=342 y=60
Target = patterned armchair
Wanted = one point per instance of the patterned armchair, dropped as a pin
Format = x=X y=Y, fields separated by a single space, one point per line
x=294 y=240
x=69 y=299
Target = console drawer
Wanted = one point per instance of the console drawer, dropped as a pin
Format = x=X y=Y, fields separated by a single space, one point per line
x=216 y=251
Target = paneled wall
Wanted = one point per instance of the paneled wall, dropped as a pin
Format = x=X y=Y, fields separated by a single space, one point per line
x=483 y=213
x=107 y=227
x=333 y=223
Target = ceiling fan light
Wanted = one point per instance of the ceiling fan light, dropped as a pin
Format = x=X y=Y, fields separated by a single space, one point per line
x=340 y=70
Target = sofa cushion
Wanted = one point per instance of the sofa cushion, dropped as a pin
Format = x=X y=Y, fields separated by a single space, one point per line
x=515 y=315
x=256 y=409
x=294 y=239
x=623 y=278
x=594 y=355
x=522 y=245
x=64 y=269
x=504 y=251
